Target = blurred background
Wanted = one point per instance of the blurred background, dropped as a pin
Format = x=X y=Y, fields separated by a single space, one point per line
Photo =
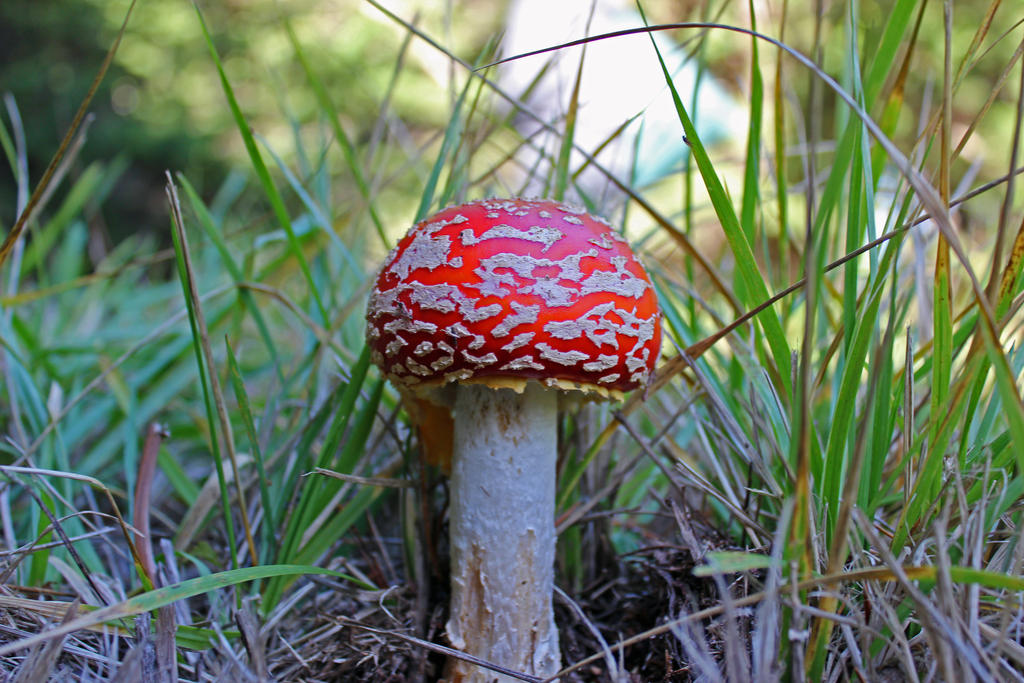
x=161 y=106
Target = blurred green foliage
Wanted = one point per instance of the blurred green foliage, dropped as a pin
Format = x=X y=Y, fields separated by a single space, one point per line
x=51 y=52
x=161 y=106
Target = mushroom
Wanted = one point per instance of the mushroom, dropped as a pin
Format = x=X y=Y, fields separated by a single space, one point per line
x=495 y=308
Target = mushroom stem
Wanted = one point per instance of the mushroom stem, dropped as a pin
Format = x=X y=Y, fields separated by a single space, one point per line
x=502 y=531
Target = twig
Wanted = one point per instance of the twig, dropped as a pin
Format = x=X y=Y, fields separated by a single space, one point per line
x=143 y=492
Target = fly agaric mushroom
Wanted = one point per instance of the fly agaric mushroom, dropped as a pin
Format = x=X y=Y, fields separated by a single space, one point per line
x=495 y=308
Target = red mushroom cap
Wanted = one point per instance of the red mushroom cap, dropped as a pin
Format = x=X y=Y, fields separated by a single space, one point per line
x=513 y=289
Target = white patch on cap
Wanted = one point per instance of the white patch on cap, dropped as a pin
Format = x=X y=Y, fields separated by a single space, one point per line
x=522 y=314
x=540 y=234
x=608 y=379
x=522 y=363
x=508 y=205
x=425 y=251
x=633 y=363
x=480 y=361
x=383 y=303
x=474 y=315
x=493 y=284
x=603 y=362
x=458 y=375
x=599 y=331
x=621 y=282
x=570 y=357
x=407 y=324
x=554 y=294
x=423 y=348
x=446 y=298
x=604 y=240
x=417 y=369
x=459 y=331
x=394 y=345
x=634 y=326
x=439 y=297
x=518 y=341
x=523 y=264
x=599 y=328
x=442 y=363
x=571 y=208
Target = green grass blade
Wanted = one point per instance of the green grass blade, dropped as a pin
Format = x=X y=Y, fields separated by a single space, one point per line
x=178 y=478
x=180 y=249
x=320 y=491
x=756 y=289
x=155 y=599
x=452 y=135
x=1006 y=385
x=310 y=432
x=310 y=500
x=319 y=218
x=347 y=149
x=212 y=230
x=888 y=48
x=338 y=524
x=839 y=438
x=882 y=421
x=269 y=189
x=242 y=397
x=751 y=170
x=85 y=189
x=7 y=143
x=942 y=341
x=568 y=137
x=458 y=175
x=781 y=184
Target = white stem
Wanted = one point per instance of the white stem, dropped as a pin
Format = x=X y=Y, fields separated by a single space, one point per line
x=501 y=524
